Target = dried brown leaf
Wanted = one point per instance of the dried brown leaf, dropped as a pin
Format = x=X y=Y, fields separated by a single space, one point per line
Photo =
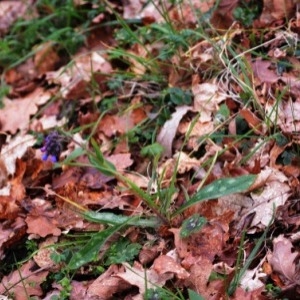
x=43 y=257
x=138 y=276
x=121 y=161
x=11 y=232
x=46 y=58
x=206 y=99
x=23 y=108
x=74 y=80
x=274 y=194
x=24 y=282
x=10 y=11
x=42 y=219
x=166 y=264
x=275 y=10
x=261 y=69
x=282 y=260
x=107 y=284
x=168 y=131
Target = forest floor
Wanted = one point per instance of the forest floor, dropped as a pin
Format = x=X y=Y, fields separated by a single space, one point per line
x=149 y=149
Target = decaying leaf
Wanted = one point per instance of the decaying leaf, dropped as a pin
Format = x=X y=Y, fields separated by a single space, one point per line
x=24 y=282
x=253 y=279
x=42 y=220
x=168 y=131
x=138 y=276
x=16 y=148
x=75 y=79
x=274 y=10
x=10 y=11
x=107 y=284
x=10 y=233
x=206 y=99
x=23 y=108
x=282 y=260
x=43 y=257
x=166 y=264
x=274 y=194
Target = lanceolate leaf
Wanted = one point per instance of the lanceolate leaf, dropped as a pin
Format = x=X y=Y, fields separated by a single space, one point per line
x=113 y=219
x=90 y=251
x=100 y=163
x=219 y=188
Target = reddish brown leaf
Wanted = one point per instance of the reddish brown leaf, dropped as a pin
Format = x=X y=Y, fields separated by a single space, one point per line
x=75 y=78
x=106 y=285
x=23 y=108
x=166 y=264
x=46 y=58
x=11 y=232
x=42 y=220
x=276 y=10
x=24 y=282
x=282 y=260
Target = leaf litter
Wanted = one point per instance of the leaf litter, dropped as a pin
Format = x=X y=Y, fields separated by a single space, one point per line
x=219 y=134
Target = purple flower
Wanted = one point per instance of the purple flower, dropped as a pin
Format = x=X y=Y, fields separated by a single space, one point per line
x=52 y=147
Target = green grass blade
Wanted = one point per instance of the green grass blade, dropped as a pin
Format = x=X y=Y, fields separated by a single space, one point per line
x=219 y=188
x=239 y=273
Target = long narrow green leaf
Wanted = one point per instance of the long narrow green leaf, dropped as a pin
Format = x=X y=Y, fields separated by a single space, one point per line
x=90 y=251
x=99 y=162
x=73 y=155
x=219 y=188
x=240 y=273
x=97 y=150
x=113 y=219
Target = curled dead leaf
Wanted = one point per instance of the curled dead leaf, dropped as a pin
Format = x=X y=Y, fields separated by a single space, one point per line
x=168 y=131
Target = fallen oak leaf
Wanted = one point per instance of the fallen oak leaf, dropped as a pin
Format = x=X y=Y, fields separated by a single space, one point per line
x=42 y=219
x=282 y=260
x=23 y=108
x=142 y=278
x=166 y=264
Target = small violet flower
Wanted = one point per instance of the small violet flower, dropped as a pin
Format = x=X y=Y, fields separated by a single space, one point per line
x=52 y=147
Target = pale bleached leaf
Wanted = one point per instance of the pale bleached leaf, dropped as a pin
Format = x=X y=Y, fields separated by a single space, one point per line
x=168 y=131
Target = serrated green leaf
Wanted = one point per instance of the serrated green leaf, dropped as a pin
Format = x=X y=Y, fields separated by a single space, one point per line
x=220 y=188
